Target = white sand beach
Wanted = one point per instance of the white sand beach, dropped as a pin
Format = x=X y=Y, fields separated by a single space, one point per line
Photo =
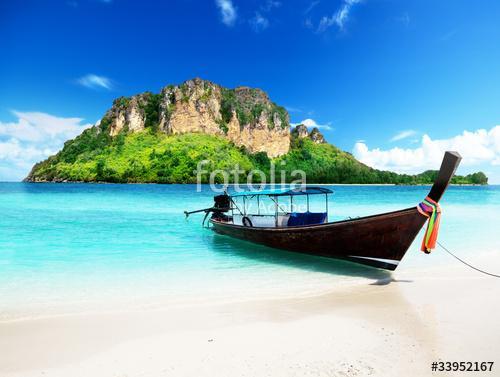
x=389 y=328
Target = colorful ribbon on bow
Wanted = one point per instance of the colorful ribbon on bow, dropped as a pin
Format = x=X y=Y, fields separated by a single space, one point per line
x=430 y=209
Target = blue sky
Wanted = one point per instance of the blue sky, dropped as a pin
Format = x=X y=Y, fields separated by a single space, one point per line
x=394 y=82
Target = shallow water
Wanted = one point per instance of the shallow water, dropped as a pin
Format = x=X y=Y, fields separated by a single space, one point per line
x=76 y=246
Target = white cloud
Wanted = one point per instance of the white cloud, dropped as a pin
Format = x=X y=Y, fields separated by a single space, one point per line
x=404 y=19
x=403 y=135
x=339 y=18
x=227 y=11
x=259 y=22
x=308 y=23
x=93 y=81
x=325 y=23
x=311 y=6
x=292 y=109
x=270 y=4
x=311 y=123
x=38 y=127
x=33 y=137
x=480 y=148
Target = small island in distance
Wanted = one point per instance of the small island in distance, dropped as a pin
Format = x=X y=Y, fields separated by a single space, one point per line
x=161 y=138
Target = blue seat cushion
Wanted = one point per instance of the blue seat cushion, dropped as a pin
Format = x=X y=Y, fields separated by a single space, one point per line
x=306 y=218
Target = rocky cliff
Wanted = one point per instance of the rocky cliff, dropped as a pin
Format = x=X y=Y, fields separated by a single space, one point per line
x=300 y=132
x=246 y=116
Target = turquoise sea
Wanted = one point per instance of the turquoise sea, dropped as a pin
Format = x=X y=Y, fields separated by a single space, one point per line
x=67 y=247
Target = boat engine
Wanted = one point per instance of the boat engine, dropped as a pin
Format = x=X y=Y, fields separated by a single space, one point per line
x=222 y=204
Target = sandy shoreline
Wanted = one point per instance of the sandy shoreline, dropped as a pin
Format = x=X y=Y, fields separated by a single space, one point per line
x=395 y=327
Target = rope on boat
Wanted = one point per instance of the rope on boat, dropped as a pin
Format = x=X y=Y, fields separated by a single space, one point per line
x=430 y=209
x=467 y=264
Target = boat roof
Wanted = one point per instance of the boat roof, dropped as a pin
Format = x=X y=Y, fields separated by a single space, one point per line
x=285 y=192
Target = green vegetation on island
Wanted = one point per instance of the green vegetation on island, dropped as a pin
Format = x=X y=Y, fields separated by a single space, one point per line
x=155 y=157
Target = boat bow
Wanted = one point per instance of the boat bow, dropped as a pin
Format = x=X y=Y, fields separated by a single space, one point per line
x=449 y=165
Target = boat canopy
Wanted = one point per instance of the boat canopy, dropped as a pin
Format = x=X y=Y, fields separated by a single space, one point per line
x=286 y=192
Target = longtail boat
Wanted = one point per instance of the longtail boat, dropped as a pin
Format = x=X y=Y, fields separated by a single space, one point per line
x=378 y=240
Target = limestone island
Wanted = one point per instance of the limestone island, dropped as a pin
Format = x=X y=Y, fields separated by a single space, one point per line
x=161 y=138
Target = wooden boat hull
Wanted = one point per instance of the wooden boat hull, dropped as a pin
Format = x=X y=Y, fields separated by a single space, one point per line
x=379 y=241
